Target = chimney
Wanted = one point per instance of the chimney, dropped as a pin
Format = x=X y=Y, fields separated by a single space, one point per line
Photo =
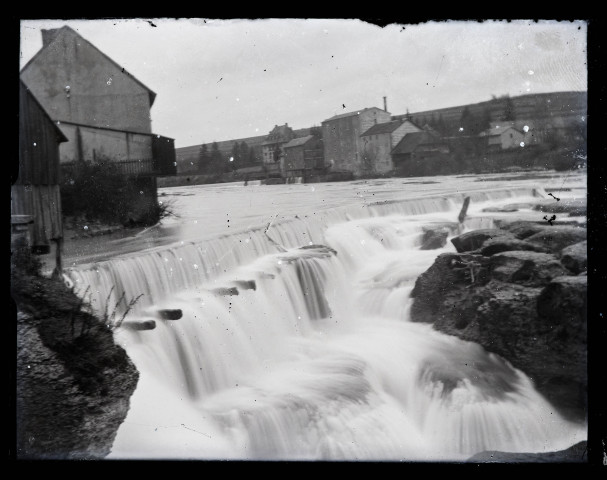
x=385 y=105
x=48 y=36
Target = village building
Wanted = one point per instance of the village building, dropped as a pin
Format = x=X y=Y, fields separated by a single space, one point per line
x=503 y=138
x=272 y=149
x=533 y=134
x=303 y=157
x=102 y=109
x=420 y=146
x=36 y=215
x=379 y=141
x=343 y=144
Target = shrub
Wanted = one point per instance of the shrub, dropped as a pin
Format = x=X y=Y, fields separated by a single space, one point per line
x=99 y=192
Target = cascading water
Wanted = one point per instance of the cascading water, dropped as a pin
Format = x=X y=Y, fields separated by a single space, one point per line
x=295 y=344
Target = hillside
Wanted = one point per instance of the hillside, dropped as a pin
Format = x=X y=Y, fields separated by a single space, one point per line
x=538 y=106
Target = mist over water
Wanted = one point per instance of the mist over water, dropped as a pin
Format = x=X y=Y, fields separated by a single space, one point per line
x=295 y=341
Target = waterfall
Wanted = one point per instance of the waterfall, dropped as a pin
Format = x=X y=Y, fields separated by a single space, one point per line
x=295 y=344
x=154 y=273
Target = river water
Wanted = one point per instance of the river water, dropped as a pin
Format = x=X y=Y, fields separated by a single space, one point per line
x=295 y=341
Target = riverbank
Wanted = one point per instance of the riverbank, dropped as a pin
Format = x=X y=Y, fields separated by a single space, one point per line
x=73 y=382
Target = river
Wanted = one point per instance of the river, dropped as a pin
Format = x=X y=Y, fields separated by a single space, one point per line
x=295 y=341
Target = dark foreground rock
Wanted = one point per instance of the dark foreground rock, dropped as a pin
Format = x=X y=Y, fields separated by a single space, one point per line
x=577 y=453
x=73 y=383
x=527 y=306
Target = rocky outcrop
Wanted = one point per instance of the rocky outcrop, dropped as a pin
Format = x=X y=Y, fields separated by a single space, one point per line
x=526 y=304
x=73 y=383
x=574 y=257
x=577 y=453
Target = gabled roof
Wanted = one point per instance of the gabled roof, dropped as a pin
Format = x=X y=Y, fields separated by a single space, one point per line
x=349 y=114
x=279 y=134
x=496 y=132
x=296 y=142
x=412 y=140
x=50 y=36
x=60 y=135
x=387 y=127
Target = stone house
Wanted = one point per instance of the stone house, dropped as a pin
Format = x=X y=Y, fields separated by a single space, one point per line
x=380 y=140
x=272 y=149
x=343 y=144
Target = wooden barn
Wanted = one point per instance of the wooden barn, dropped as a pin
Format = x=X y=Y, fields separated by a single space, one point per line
x=36 y=216
x=102 y=109
x=418 y=147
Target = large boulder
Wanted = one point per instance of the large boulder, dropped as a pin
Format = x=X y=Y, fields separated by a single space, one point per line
x=505 y=244
x=473 y=240
x=575 y=257
x=525 y=267
x=563 y=303
x=521 y=229
x=558 y=237
x=439 y=281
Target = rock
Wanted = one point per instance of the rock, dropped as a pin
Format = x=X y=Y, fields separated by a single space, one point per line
x=563 y=302
x=521 y=229
x=308 y=251
x=558 y=237
x=139 y=325
x=511 y=207
x=267 y=275
x=320 y=250
x=453 y=227
x=577 y=453
x=170 y=314
x=575 y=257
x=447 y=271
x=434 y=238
x=72 y=389
x=225 y=291
x=572 y=207
x=525 y=267
x=509 y=304
x=578 y=212
x=474 y=239
x=246 y=284
x=504 y=244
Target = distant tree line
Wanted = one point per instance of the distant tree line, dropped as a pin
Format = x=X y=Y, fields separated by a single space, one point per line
x=469 y=124
x=213 y=161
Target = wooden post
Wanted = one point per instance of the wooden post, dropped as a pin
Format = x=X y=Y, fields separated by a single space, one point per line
x=58 y=270
x=462 y=214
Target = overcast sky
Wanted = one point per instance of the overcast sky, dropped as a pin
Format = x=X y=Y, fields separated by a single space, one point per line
x=225 y=79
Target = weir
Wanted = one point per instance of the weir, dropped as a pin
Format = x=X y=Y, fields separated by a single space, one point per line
x=295 y=343
x=157 y=272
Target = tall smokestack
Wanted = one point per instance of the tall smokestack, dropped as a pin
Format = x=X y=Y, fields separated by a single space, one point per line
x=385 y=104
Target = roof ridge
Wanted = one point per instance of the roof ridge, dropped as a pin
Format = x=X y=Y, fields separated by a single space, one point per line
x=70 y=29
